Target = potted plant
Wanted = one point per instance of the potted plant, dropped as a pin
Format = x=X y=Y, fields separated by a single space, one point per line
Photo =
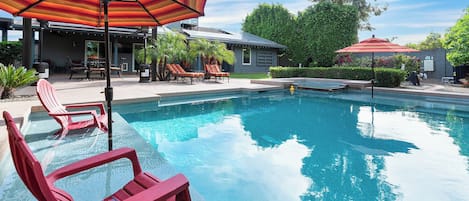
x=12 y=78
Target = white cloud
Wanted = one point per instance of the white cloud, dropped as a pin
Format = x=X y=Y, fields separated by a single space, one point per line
x=410 y=6
x=410 y=38
x=231 y=13
x=296 y=6
x=443 y=15
x=416 y=25
x=226 y=13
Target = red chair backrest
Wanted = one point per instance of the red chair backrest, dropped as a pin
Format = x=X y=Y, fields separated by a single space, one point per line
x=47 y=95
x=28 y=167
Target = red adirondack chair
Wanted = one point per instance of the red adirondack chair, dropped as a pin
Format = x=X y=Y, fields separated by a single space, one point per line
x=47 y=95
x=144 y=186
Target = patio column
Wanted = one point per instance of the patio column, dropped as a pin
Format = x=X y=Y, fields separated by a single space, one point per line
x=4 y=34
x=154 y=33
x=115 y=52
x=27 y=43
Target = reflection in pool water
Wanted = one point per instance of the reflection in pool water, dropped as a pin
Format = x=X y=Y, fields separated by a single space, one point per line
x=312 y=147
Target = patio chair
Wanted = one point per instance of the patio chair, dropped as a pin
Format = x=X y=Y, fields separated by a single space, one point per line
x=75 y=67
x=178 y=72
x=144 y=186
x=213 y=70
x=47 y=95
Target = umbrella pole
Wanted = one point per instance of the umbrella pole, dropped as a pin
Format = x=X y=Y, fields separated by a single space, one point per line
x=372 y=71
x=108 y=91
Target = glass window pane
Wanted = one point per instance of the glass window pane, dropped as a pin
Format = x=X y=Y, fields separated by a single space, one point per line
x=246 y=56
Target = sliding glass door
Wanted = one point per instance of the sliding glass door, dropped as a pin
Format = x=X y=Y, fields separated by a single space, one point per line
x=94 y=51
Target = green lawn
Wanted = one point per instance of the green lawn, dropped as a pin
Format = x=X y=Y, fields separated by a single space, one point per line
x=249 y=75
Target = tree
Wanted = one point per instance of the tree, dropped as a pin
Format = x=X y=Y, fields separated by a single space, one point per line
x=11 y=78
x=211 y=51
x=365 y=9
x=273 y=22
x=433 y=41
x=168 y=48
x=456 y=41
x=325 y=28
x=10 y=52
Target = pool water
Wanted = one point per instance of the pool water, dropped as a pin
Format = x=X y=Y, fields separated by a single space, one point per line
x=314 y=146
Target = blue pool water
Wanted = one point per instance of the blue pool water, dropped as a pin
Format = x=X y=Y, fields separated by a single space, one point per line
x=314 y=146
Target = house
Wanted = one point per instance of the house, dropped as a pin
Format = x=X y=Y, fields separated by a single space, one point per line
x=64 y=42
x=253 y=53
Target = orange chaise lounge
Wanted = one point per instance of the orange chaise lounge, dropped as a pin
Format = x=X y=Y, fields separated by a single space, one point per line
x=47 y=95
x=178 y=72
x=213 y=70
x=144 y=186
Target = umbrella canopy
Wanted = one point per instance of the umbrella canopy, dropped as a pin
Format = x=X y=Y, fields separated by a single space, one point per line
x=107 y=13
x=121 y=12
x=373 y=45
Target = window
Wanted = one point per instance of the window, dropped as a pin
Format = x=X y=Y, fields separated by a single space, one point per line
x=94 y=50
x=265 y=58
x=246 y=56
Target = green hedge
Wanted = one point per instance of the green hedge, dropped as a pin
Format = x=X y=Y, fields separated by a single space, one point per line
x=385 y=77
x=10 y=51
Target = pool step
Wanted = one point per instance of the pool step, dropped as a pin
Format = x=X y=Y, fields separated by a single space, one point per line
x=179 y=100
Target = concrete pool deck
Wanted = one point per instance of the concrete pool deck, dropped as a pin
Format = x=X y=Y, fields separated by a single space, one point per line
x=126 y=89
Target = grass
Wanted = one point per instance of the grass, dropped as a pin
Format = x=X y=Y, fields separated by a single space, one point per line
x=249 y=75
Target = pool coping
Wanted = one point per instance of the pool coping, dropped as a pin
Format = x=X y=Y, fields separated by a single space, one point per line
x=361 y=85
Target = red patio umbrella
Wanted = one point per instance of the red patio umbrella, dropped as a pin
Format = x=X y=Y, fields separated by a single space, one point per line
x=107 y=13
x=373 y=45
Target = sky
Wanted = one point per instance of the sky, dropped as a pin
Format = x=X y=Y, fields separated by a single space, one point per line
x=408 y=21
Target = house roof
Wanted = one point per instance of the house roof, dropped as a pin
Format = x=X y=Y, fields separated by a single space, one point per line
x=60 y=26
x=5 y=22
x=242 y=38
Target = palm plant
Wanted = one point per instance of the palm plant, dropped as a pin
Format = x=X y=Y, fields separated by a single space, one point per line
x=167 y=48
x=211 y=51
x=222 y=54
x=12 y=78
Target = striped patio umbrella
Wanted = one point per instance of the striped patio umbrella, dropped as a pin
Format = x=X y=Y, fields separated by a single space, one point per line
x=105 y=13
x=373 y=45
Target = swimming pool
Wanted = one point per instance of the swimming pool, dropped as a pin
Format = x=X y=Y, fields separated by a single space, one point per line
x=313 y=146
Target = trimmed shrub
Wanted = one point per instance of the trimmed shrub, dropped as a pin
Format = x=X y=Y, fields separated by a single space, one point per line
x=388 y=77
x=385 y=77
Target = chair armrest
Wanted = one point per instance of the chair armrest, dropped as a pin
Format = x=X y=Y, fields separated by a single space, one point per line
x=99 y=105
x=163 y=190
x=96 y=161
x=77 y=113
